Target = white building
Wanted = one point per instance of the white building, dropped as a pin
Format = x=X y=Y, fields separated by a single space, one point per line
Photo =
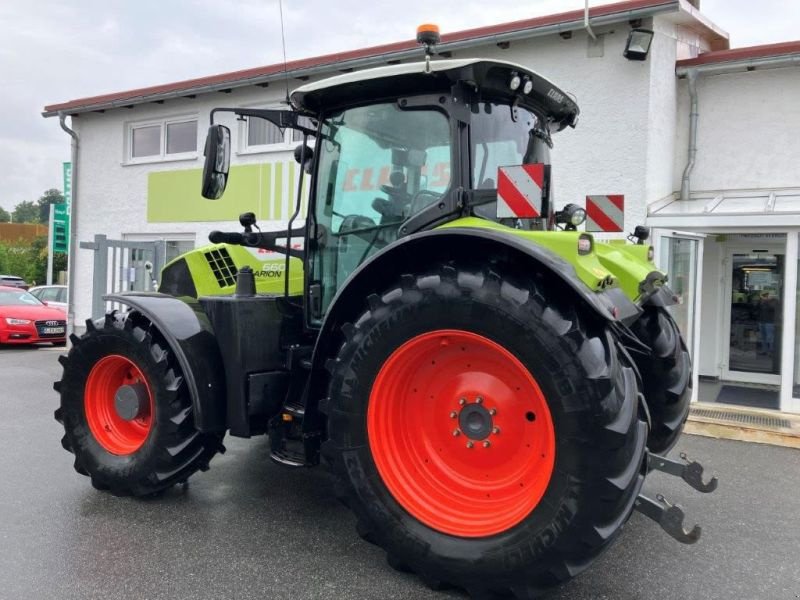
x=731 y=238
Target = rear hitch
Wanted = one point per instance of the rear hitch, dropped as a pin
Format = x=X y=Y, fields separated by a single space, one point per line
x=668 y=516
x=690 y=471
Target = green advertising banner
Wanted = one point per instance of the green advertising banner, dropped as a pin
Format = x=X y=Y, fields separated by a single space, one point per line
x=60 y=228
x=60 y=221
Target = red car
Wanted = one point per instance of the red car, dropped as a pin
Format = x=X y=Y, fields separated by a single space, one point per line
x=24 y=319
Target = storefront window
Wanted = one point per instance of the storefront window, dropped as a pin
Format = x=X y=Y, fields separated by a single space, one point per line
x=756 y=291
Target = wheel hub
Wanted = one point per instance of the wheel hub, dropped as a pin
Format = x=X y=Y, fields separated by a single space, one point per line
x=131 y=400
x=475 y=421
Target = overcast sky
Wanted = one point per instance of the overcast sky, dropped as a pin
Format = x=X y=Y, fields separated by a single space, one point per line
x=52 y=51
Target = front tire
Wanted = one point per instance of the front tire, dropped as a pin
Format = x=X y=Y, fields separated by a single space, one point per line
x=666 y=374
x=554 y=485
x=134 y=441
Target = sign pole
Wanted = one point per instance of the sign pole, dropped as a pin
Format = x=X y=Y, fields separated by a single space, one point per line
x=50 y=231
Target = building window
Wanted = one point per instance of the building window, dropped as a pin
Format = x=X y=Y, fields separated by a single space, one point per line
x=174 y=248
x=146 y=141
x=181 y=137
x=261 y=134
x=170 y=138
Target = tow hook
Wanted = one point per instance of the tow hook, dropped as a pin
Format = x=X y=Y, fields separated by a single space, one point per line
x=670 y=516
x=690 y=471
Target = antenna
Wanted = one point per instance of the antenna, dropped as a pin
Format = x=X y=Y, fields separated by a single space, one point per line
x=283 y=43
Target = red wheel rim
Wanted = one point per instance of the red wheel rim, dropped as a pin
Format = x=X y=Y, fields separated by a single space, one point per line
x=117 y=435
x=429 y=410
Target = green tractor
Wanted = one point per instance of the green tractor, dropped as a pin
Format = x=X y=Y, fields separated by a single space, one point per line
x=488 y=385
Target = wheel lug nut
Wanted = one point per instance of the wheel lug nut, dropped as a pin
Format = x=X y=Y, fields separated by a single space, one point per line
x=456 y=432
x=486 y=443
x=493 y=411
x=495 y=430
x=470 y=444
x=479 y=400
x=453 y=414
x=462 y=401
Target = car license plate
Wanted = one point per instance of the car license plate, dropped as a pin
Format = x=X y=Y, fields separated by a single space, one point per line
x=52 y=330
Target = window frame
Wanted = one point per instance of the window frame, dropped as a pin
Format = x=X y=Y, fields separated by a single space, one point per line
x=162 y=123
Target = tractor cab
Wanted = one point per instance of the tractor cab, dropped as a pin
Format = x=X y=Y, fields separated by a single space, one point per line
x=406 y=148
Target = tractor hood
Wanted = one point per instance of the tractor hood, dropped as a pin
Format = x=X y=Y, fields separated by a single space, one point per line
x=491 y=78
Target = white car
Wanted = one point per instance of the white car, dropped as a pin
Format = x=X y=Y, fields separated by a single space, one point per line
x=54 y=295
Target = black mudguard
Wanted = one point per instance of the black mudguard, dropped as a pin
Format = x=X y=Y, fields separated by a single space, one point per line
x=188 y=332
x=418 y=252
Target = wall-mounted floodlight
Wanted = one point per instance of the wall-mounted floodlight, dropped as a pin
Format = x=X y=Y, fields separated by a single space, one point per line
x=638 y=45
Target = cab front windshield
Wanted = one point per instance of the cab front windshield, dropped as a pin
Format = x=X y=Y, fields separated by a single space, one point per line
x=378 y=165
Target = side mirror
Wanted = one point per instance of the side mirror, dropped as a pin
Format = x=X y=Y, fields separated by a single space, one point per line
x=218 y=159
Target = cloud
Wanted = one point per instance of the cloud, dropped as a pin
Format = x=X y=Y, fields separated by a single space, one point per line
x=55 y=51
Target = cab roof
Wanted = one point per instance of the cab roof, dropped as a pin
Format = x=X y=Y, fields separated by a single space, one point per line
x=490 y=78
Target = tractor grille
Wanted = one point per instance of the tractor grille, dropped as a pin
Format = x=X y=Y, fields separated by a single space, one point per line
x=222 y=266
x=42 y=326
x=742 y=418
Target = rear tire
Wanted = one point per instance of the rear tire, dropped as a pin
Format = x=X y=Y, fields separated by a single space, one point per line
x=590 y=392
x=666 y=376
x=137 y=457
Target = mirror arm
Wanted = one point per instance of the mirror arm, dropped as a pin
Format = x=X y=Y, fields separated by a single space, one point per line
x=280 y=118
x=268 y=240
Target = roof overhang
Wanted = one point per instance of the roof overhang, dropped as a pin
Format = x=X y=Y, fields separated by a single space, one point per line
x=737 y=60
x=728 y=209
x=374 y=56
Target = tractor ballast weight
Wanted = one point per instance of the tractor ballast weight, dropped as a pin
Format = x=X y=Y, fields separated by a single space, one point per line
x=490 y=392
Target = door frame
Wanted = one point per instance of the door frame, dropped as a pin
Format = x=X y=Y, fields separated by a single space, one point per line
x=694 y=314
x=725 y=338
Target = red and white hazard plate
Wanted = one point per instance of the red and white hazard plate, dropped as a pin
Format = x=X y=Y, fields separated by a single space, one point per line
x=605 y=213
x=519 y=191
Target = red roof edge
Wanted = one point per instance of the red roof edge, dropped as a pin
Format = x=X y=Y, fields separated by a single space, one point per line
x=738 y=54
x=137 y=95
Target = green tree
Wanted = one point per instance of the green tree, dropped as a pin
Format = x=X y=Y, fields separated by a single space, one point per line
x=29 y=260
x=5 y=217
x=51 y=196
x=26 y=212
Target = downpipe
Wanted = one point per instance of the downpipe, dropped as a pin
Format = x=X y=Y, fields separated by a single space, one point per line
x=586 y=25
x=693 y=118
x=62 y=120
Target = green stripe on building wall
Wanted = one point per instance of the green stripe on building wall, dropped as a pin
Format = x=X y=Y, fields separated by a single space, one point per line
x=278 y=186
x=266 y=195
x=174 y=196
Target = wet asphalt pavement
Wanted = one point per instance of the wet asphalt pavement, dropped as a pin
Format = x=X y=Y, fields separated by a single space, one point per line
x=251 y=529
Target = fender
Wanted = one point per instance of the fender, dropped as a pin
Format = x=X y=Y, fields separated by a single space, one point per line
x=418 y=251
x=188 y=332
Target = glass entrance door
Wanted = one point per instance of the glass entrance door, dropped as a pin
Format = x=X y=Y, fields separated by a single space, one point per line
x=681 y=257
x=756 y=290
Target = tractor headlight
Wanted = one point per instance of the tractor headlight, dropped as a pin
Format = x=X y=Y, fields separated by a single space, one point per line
x=528 y=86
x=12 y=321
x=572 y=215
x=515 y=82
x=651 y=254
